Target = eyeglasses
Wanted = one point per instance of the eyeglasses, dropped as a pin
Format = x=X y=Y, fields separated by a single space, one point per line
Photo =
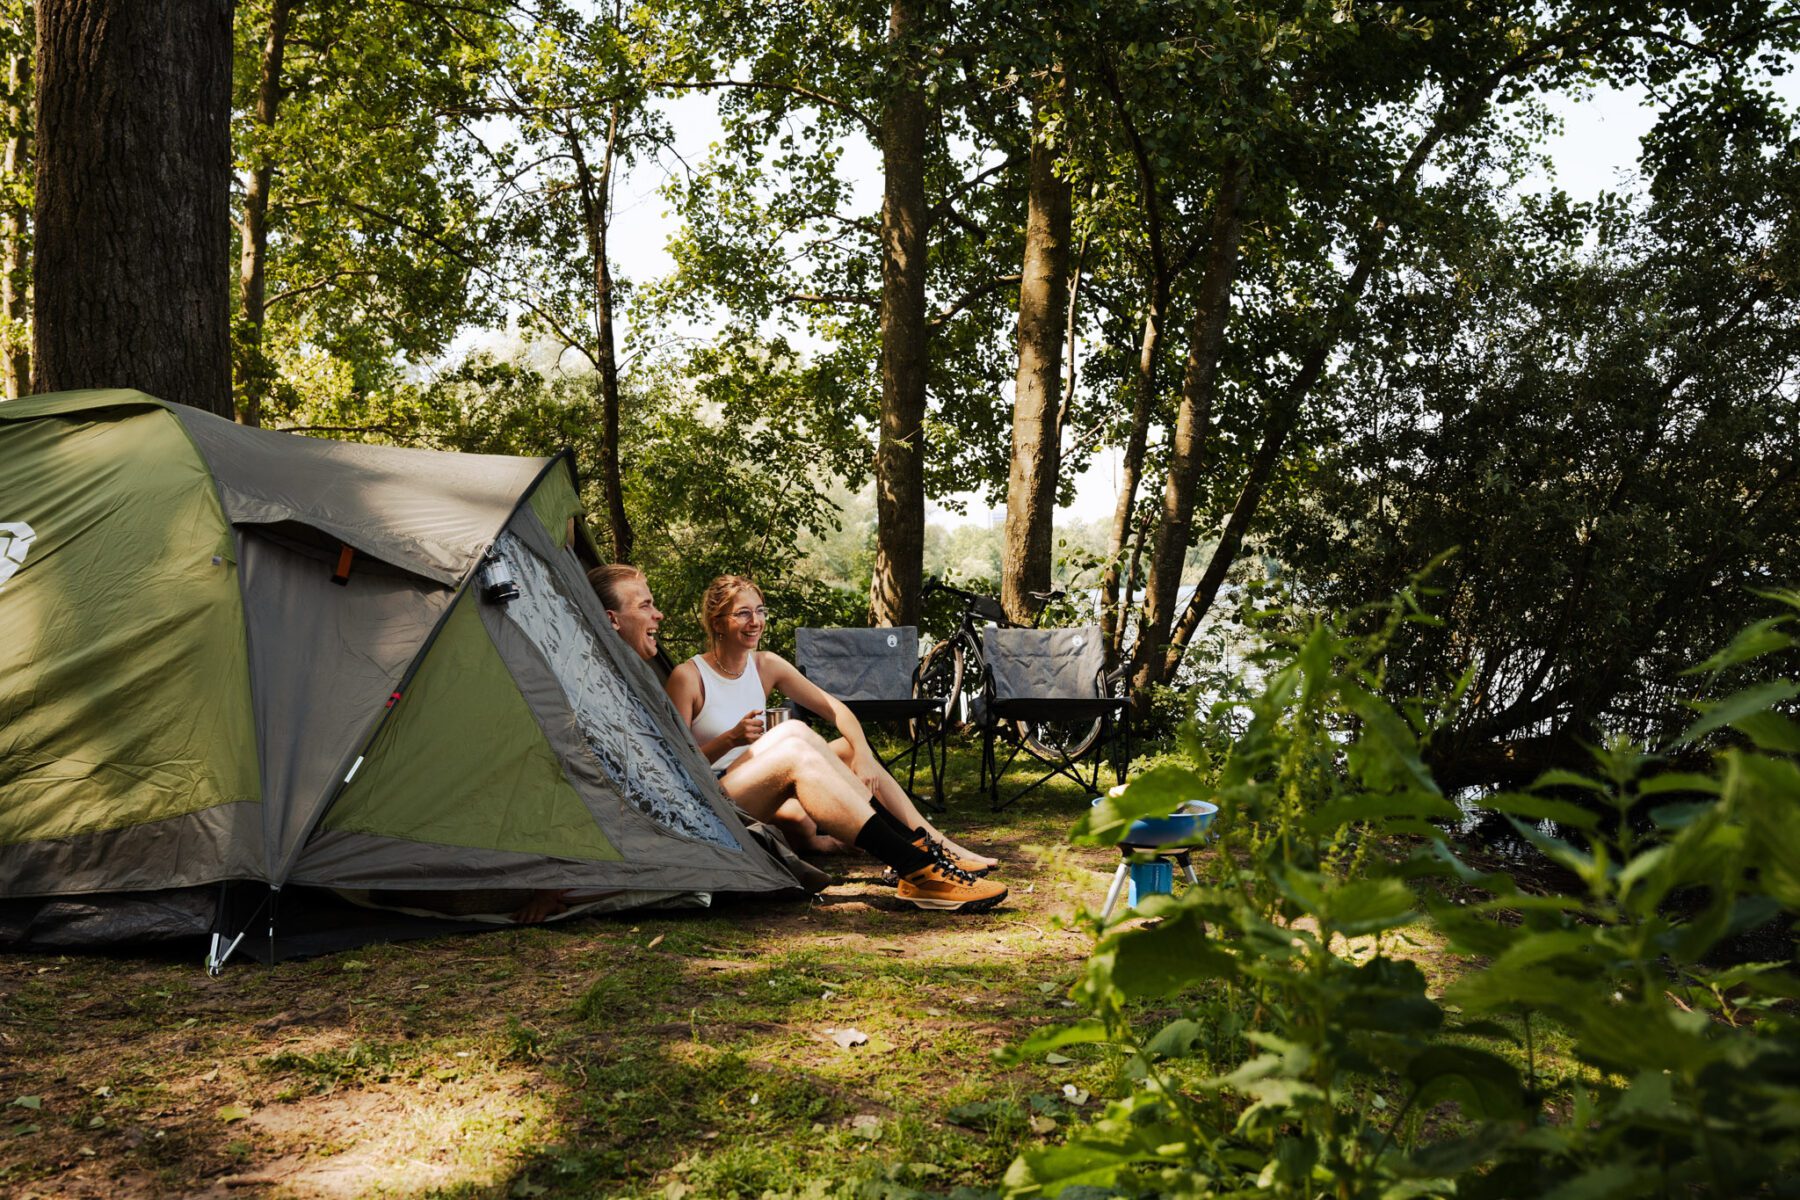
x=744 y=614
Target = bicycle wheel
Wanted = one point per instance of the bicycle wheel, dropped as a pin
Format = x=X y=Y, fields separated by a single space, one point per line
x=940 y=678
x=1054 y=741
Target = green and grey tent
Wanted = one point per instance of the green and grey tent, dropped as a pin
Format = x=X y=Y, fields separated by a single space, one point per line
x=237 y=664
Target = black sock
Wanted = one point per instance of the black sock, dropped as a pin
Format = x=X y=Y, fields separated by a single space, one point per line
x=878 y=839
x=893 y=822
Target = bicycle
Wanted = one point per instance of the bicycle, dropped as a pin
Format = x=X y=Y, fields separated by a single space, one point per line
x=961 y=656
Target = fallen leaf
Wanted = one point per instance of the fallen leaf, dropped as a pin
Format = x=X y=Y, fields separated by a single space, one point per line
x=1042 y=1124
x=934 y=1012
x=847 y=1038
x=86 y=1152
x=97 y=1123
x=233 y=1112
x=866 y=1125
x=28 y=1102
x=655 y=942
x=1057 y=1060
x=210 y=1075
x=1046 y=987
x=355 y=964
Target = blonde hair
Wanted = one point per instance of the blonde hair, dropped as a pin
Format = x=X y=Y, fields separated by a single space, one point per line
x=606 y=580
x=715 y=605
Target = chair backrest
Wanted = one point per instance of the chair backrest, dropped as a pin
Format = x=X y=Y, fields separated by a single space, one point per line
x=1045 y=664
x=859 y=664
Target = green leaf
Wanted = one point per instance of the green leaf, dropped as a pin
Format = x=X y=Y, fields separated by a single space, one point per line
x=1084 y=1032
x=1540 y=808
x=1174 y=1040
x=1374 y=807
x=1678 y=781
x=1770 y=731
x=1485 y=1084
x=1167 y=957
x=1737 y=706
x=1764 y=637
x=1367 y=906
x=233 y=1112
x=28 y=1102
x=1557 y=777
x=1604 y=1183
x=1155 y=793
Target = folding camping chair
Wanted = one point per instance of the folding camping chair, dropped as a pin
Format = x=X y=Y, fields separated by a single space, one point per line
x=1047 y=692
x=873 y=672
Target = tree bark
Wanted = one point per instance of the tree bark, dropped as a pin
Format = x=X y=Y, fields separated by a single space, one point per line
x=1131 y=468
x=133 y=198
x=596 y=201
x=254 y=251
x=1037 y=389
x=15 y=231
x=900 y=453
x=1206 y=341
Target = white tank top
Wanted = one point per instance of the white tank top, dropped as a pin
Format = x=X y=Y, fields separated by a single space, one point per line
x=724 y=704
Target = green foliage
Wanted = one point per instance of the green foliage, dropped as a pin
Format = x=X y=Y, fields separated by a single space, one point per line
x=375 y=207
x=1594 y=405
x=1274 y=1035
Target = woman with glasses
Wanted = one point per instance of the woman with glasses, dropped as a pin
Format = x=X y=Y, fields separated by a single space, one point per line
x=842 y=786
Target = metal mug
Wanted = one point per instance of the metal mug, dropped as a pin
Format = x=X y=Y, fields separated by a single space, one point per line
x=773 y=717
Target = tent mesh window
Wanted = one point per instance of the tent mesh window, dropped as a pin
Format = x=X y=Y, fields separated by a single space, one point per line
x=652 y=778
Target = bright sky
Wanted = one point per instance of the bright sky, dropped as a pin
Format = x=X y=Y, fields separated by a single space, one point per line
x=1597 y=150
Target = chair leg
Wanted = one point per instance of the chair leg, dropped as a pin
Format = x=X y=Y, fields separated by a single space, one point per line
x=1118 y=885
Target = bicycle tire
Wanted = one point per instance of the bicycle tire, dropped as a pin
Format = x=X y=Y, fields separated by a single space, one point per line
x=940 y=678
x=1055 y=741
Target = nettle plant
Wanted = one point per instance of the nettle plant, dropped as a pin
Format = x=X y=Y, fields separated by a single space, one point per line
x=1275 y=1035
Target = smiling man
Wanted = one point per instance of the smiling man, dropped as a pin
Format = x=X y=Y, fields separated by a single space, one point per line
x=792 y=777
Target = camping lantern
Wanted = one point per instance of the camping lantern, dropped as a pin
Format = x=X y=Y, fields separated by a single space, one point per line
x=496 y=580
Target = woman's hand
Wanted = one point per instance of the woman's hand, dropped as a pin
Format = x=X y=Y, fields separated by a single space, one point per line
x=865 y=768
x=748 y=729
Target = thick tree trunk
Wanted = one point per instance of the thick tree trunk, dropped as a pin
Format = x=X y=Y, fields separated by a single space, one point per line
x=1037 y=389
x=900 y=453
x=1206 y=341
x=254 y=251
x=15 y=231
x=133 y=198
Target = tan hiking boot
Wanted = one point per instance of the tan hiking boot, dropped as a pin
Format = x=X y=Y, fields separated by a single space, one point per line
x=944 y=888
x=943 y=856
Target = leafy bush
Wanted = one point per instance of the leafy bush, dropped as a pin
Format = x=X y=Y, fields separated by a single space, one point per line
x=1274 y=1037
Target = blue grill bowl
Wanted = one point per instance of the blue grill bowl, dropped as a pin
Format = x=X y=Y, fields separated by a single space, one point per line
x=1187 y=825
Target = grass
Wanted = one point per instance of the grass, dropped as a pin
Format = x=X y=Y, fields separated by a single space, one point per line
x=678 y=1055
x=648 y=1055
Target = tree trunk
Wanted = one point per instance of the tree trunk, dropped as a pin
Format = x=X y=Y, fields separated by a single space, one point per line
x=596 y=200
x=253 y=255
x=1131 y=468
x=900 y=453
x=1206 y=341
x=133 y=198
x=15 y=228
x=1037 y=390
x=1284 y=413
